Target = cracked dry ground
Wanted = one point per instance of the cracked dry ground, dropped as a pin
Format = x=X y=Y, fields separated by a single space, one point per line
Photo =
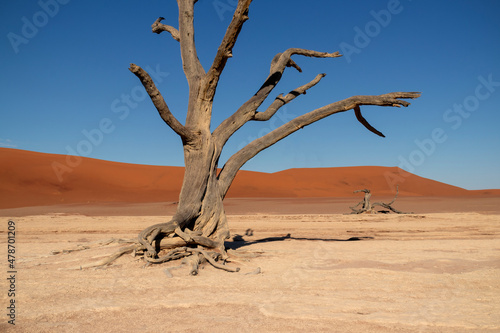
x=435 y=272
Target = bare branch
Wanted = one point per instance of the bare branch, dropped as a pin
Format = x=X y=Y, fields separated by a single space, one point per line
x=247 y=111
x=236 y=161
x=160 y=103
x=224 y=51
x=280 y=100
x=158 y=28
x=190 y=62
x=362 y=120
x=198 y=115
x=282 y=60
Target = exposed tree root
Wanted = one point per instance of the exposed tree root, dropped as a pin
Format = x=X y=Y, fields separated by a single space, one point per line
x=368 y=208
x=194 y=248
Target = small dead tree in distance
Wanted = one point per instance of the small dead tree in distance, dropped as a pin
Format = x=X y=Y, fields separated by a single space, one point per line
x=369 y=208
x=199 y=224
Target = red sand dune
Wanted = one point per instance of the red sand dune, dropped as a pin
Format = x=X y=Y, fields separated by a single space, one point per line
x=29 y=179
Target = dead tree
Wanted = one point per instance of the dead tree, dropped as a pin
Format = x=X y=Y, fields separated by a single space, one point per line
x=368 y=208
x=200 y=222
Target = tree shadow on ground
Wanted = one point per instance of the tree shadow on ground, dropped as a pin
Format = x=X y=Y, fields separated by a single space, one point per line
x=239 y=241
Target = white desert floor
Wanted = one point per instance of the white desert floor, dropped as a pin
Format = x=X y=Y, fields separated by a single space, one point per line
x=429 y=272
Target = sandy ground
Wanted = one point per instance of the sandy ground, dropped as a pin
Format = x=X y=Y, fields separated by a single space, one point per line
x=424 y=272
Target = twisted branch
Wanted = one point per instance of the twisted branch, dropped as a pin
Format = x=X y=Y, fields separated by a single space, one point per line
x=160 y=103
x=158 y=28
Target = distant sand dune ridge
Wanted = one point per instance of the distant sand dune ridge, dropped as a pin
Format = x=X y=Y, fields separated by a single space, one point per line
x=28 y=179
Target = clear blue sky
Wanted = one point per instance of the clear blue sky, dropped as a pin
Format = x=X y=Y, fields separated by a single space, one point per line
x=65 y=69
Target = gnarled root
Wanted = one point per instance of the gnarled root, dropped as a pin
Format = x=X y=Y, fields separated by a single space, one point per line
x=154 y=234
x=155 y=240
x=163 y=235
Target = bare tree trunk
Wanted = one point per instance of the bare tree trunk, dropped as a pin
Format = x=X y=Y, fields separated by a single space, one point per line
x=211 y=218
